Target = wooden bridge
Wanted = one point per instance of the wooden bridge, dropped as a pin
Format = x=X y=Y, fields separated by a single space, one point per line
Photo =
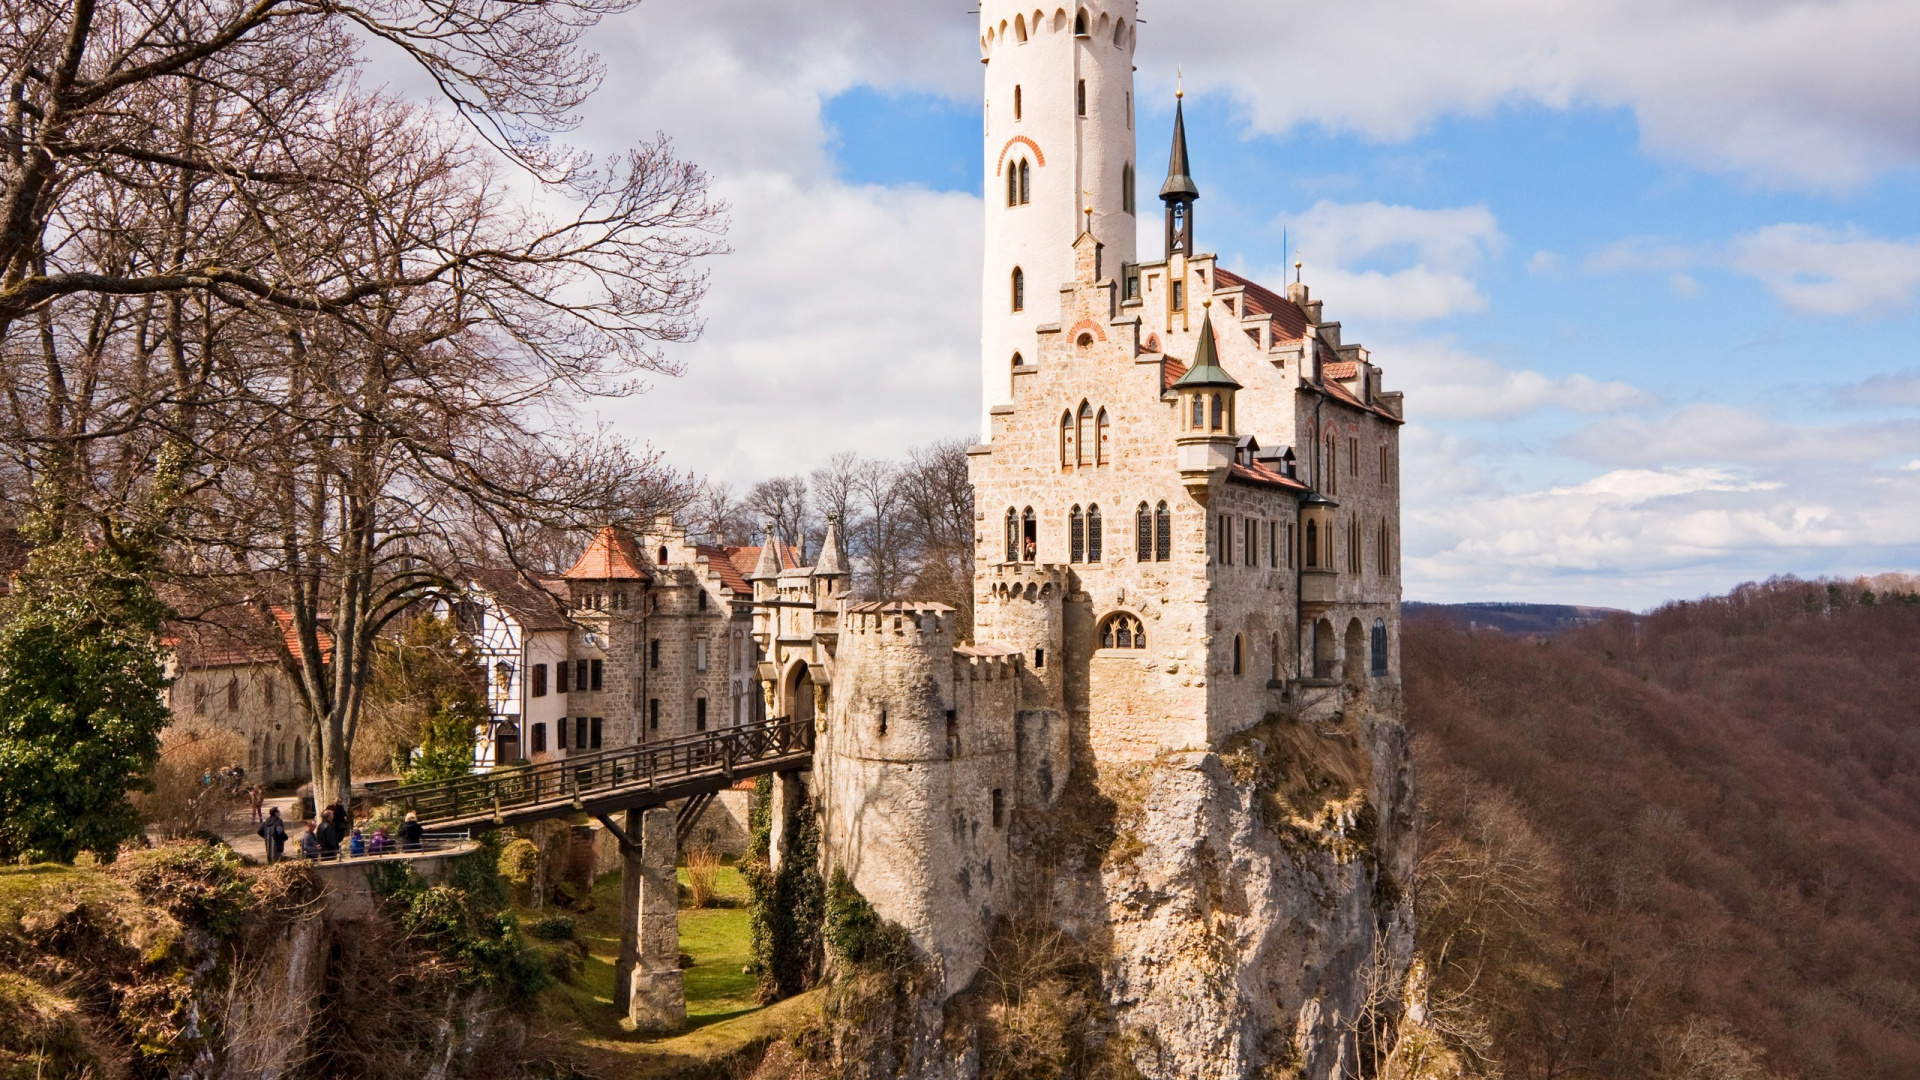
x=605 y=782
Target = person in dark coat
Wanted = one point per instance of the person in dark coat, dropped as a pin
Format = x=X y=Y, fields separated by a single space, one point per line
x=411 y=832
x=329 y=834
x=310 y=842
x=274 y=832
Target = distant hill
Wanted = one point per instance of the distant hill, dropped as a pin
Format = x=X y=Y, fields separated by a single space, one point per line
x=1532 y=619
x=1685 y=847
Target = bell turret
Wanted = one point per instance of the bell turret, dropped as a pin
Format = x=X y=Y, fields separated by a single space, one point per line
x=1179 y=192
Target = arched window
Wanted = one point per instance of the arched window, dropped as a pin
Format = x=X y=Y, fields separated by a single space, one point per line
x=1162 y=533
x=1019 y=289
x=1013 y=186
x=1018 y=360
x=1239 y=656
x=1385 y=549
x=1093 y=532
x=1379 y=646
x=1067 y=452
x=1199 y=412
x=1029 y=535
x=1126 y=189
x=1331 y=482
x=1081 y=423
x=1143 y=534
x=1013 y=535
x=1026 y=181
x=1313 y=543
x=1080 y=24
x=1122 y=631
x=1102 y=429
x=1076 y=535
x=1120 y=33
x=1020 y=27
x=1219 y=412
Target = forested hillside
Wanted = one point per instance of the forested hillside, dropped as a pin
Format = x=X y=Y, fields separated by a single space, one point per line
x=1686 y=845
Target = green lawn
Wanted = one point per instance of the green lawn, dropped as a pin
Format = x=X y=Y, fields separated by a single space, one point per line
x=717 y=938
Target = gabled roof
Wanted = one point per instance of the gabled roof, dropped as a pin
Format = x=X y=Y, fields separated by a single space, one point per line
x=532 y=606
x=748 y=558
x=1170 y=372
x=1289 y=322
x=209 y=644
x=613 y=556
x=721 y=560
x=1261 y=474
x=1341 y=370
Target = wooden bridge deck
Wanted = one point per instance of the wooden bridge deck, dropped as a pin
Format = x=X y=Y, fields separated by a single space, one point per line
x=609 y=781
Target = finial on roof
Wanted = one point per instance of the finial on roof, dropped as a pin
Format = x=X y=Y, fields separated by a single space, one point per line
x=1206 y=369
x=769 y=564
x=831 y=564
x=1179 y=82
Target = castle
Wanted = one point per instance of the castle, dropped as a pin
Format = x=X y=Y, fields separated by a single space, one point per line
x=1187 y=524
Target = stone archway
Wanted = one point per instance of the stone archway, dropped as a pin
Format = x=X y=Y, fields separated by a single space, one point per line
x=1323 y=650
x=798 y=692
x=1354 y=669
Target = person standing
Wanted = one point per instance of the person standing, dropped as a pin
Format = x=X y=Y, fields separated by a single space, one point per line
x=274 y=832
x=257 y=797
x=310 y=841
x=411 y=832
x=329 y=834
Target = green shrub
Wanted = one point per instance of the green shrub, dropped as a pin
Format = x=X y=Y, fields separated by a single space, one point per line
x=552 y=928
x=464 y=920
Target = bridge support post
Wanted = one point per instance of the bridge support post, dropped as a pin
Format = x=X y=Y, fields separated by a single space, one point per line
x=656 y=995
x=785 y=811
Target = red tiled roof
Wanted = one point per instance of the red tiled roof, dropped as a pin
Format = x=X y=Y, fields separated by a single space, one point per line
x=1341 y=370
x=199 y=645
x=1289 y=322
x=1170 y=372
x=721 y=560
x=613 y=556
x=1261 y=474
x=747 y=559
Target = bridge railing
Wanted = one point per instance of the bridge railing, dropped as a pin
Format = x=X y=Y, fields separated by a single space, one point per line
x=582 y=777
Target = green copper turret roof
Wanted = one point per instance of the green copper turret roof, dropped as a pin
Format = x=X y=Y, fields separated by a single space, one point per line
x=1206 y=369
x=1180 y=183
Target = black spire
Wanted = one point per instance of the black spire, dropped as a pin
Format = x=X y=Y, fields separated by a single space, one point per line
x=1179 y=191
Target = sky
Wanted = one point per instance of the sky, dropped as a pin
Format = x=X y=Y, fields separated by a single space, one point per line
x=1648 y=272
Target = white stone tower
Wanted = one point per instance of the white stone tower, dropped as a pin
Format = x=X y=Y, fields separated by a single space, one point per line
x=1059 y=138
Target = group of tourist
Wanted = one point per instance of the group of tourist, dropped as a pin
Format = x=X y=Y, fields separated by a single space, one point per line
x=336 y=830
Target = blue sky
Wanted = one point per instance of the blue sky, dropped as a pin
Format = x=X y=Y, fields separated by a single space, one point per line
x=1649 y=272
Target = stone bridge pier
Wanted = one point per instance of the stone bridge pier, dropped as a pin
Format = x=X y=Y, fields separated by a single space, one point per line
x=648 y=985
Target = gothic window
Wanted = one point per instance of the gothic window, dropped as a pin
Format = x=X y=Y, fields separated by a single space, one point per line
x=1379 y=646
x=1219 y=412
x=1225 y=537
x=1076 y=536
x=1029 y=535
x=1353 y=456
x=1120 y=33
x=1019 y=290
x=1313 y=544
x=1354 y=559
x=1384 y=459
x=1081 y=423
x=1332 y=467
x=1126 y=189
x=1026 y=182
x=1067 y=450
x=1385 y=548
x=1143 y=533
x=1162 y=534
x=1020 y=28
x=1013 y=186
x=1199 y=412
x=1250 y=542
x=1017 y=361
x=1013 y=535
x=1093 y=532
x=1122 y=631
x=1273 y=547
x=1102 y=428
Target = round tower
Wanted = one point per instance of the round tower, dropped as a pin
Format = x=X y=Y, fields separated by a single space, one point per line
x=1059 y=139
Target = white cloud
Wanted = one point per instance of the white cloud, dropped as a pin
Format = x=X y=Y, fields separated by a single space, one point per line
x=1445 y=248
x=1811 y=93
x=1445 y=382
x=1722 y=434
x=1827 y=272
x=1896 y=389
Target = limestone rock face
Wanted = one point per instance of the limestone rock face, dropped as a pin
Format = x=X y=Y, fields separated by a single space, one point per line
x=1247 y=915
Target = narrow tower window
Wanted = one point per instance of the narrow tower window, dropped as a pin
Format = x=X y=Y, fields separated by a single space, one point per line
x=1080 y=25
x=1026 y=182
x=1162 y=534
x=1076 y=536
x=1103 y=429
x=1080 y=99
x=1199 y=412
x=1013 y=535
x=1219 y=412
x=1016 y=103
x=1019 y=289
x=1029 y=535
x=1066 y=439
x=1093 y=532
x=1313 y=544
x=1081 y=424
x=1126 y=189
x=1143 y=533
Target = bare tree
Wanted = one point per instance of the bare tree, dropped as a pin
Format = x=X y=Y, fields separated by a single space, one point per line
x=715 y=515
x=784 y=501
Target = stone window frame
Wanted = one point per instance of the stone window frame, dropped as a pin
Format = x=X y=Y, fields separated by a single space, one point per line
x=1112 y=626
